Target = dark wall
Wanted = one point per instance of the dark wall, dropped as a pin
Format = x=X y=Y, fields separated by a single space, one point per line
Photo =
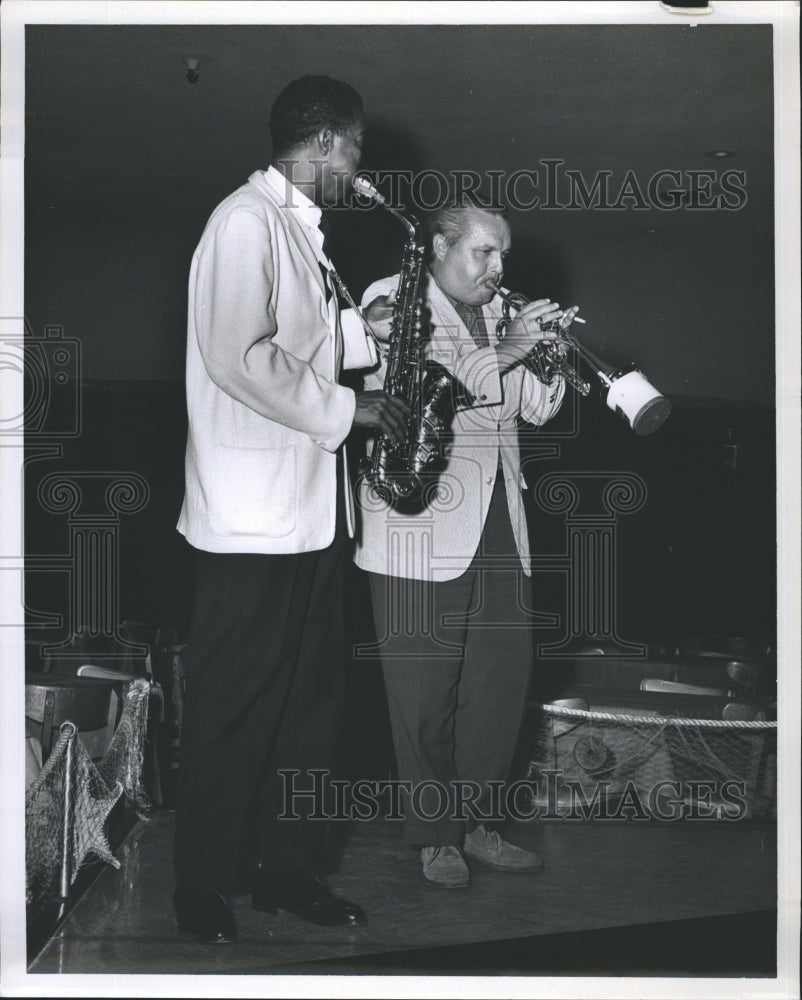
x=697 y=557
x=123 y=430
x=123 y=168
x=124 y=161
x=120 y=289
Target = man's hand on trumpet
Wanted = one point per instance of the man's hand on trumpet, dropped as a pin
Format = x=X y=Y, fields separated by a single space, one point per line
x=537 y=320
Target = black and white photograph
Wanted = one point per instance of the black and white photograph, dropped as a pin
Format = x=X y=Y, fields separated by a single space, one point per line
x=399 y=428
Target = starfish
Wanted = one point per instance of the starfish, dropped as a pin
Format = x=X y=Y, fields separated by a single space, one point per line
x=93 y=803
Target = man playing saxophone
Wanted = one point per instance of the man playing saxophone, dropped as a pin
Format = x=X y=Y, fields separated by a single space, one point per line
x=448 y=582
x=267 y=513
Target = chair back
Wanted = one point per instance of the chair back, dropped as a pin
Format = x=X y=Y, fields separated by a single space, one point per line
x=87 y=702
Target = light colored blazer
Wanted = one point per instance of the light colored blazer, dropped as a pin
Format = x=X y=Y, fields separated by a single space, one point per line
x=440 y=542
x=266 y=415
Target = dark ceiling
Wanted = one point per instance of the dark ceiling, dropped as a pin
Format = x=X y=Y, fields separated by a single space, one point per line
x=114 y=129
x=116 y=137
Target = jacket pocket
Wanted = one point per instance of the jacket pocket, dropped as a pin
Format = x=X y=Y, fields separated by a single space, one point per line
x=254 y=491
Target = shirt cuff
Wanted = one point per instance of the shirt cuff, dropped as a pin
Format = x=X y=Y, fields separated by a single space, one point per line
x=359 y=351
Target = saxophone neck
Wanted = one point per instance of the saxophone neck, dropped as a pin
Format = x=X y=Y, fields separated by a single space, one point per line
x=364 y=187
x=411 y=223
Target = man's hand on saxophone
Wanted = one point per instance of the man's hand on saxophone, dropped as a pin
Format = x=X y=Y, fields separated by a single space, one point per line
x=377 y=410
x=379 y=315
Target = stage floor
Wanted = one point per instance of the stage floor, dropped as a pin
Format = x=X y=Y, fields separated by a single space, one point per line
x=615 y=898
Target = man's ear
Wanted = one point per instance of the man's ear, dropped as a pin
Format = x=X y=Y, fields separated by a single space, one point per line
x=439 y=246
x=325 y=140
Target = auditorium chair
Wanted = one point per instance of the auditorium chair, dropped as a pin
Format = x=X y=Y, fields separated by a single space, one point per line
x=152 y=652
x=52 y=699
x=701 y=677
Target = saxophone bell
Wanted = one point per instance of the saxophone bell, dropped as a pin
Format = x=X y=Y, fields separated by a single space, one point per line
x=404 y=474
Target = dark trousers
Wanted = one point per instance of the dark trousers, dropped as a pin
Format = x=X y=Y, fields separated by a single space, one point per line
x=456 y=658
x=264 y=693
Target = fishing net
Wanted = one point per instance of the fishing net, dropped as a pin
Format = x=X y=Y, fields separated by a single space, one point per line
x=67 y=805
x=591 y=764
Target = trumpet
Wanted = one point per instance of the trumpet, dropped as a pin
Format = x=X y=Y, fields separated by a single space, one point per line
x=625 y=390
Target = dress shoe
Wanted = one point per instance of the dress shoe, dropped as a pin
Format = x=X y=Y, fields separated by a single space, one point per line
x=204 y=913
x=489 y=848
x=445 y=867
x=305 y=894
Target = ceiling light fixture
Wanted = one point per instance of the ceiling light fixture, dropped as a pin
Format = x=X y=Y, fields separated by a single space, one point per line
x=720 y=154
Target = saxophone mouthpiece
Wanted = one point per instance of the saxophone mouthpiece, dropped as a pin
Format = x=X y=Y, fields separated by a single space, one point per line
x=363 y=186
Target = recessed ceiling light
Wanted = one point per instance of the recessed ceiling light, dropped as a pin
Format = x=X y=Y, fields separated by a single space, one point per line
x=721 y=154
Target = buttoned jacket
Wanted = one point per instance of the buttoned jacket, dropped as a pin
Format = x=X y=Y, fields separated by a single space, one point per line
x=439 y=542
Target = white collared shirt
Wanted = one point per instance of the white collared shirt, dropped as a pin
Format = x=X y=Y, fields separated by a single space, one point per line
x=309 y=213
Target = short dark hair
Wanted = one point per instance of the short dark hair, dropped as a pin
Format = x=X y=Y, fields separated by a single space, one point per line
x=309 y=104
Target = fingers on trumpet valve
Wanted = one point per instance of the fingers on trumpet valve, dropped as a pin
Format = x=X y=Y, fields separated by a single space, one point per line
x=517 y=301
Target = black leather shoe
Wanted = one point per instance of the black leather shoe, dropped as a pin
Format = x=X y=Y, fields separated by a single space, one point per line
x=204 y=913
x=306 y=895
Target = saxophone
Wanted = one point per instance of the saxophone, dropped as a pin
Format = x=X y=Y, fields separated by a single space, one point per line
x=404 y=475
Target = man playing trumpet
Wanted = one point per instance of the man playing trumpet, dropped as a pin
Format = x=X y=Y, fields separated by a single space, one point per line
x=449 y=583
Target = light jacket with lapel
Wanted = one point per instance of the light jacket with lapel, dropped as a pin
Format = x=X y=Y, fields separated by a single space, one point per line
x=439 y=543
x=266 y=415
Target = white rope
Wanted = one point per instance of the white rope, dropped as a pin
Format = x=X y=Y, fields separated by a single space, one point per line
x=657 y=720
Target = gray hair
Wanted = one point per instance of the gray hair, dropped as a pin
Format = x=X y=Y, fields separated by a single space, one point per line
x=452 y=222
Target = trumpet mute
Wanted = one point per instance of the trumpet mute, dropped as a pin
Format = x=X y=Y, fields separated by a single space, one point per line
x=635 y=399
